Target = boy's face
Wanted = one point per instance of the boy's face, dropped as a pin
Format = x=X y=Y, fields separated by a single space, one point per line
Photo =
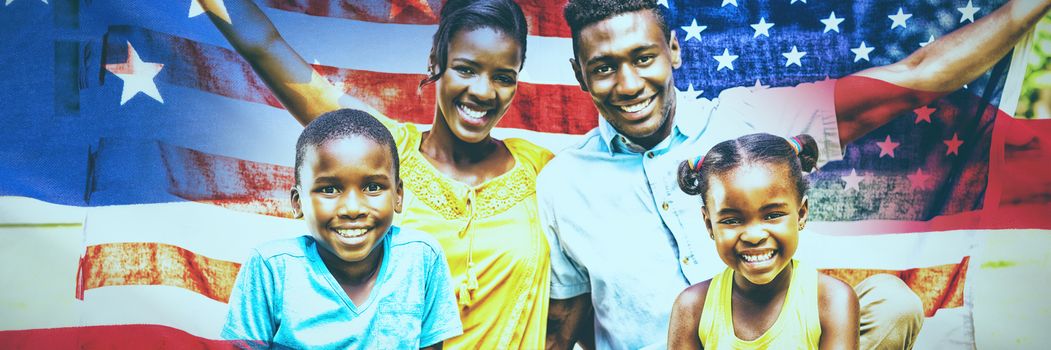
x=754 y=215
x=348 y=194
x=626 y=64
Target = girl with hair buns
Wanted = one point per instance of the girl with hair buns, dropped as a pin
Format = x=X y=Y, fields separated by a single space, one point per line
x=474 y=193
x=755 y=204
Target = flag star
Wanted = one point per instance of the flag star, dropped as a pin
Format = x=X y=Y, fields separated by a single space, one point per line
x=663 y=2
x=759 y=85
x=137 y=76
x=928 y=42
x=968 y=12
x=899 y=19
x=954 y=145
x=794 y=1
x=726 y=60
x=887 y=147
x=691 y=92
x=794 y=57
x=218 y=11
x=862 y=52
x=832 y=23
x=693 y=30
x=195 y=8
x=761 y=28
x=729 y=2
x=924 y=114
x=918 y=179
x=852 y=180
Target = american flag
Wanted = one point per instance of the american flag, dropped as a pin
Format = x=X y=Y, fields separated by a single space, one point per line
x=137 y=137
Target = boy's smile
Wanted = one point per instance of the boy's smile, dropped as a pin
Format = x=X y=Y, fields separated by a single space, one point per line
x=754 y=215
x=348 y=195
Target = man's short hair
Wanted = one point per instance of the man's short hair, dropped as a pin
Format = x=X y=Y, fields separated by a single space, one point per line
x=582 y=13
x=343 y=123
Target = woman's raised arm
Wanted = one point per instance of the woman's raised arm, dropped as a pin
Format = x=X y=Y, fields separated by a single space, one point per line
x=304 y=93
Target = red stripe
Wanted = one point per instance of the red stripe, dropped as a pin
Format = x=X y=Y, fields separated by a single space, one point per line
x=544 y=16
x=565 y=108
x=939 y=287
x=132 y=264
x=228 y=182
x=131 y=336
x=1027 y=161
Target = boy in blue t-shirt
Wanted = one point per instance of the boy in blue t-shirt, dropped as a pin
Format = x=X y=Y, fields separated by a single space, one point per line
x=357 y=281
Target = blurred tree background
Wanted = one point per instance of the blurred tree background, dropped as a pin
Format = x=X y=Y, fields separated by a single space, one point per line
x=1035 y=101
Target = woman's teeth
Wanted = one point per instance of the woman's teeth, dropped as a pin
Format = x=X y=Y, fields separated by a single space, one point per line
x=470 y=113
x=636 y=107
x=352 y=233
x=758 y=258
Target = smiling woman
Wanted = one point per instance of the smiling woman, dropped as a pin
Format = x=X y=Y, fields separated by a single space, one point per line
x=474 y=193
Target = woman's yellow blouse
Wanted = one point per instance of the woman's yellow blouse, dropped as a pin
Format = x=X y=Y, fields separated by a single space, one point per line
x=491 y=235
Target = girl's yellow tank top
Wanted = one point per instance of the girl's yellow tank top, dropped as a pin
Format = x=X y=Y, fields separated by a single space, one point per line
x=798 y=326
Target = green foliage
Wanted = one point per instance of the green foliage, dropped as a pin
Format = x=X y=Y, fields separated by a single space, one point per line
x=1036 y=88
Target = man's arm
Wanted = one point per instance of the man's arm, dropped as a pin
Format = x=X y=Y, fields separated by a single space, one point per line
x=870 y=98
x=570 y=321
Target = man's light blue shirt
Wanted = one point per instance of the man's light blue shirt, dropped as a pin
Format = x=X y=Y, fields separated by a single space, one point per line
x=285 y=297
x=621 y=229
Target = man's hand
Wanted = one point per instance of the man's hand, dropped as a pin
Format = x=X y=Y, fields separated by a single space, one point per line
x=570 y=321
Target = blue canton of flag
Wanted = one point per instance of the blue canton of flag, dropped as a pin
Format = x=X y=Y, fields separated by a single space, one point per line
x=931 y=162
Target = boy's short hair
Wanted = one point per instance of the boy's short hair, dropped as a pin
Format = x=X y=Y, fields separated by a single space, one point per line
x=582 y=13
x=343 y=123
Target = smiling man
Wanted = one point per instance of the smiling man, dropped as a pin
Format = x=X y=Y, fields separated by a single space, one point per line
x=627 y=245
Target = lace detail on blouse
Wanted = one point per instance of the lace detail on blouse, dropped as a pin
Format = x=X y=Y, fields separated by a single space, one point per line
x=453 y=200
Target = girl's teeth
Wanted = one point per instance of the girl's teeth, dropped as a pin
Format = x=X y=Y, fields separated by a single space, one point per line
x=758 y=258
x=349 y=233
x=470 y=113
x=636 y=107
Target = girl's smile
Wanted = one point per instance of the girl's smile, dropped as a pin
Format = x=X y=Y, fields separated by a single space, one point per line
x=754 y=216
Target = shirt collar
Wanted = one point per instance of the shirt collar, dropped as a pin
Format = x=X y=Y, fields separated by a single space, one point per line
x=690 y=120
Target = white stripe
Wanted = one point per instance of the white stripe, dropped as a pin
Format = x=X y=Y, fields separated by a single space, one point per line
x=38 y=265
x=160 y=305
x=947 y=329
x=891 y=252
x=204 y=229
x=24 y=210
x=393 y=48
x=403 y=48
